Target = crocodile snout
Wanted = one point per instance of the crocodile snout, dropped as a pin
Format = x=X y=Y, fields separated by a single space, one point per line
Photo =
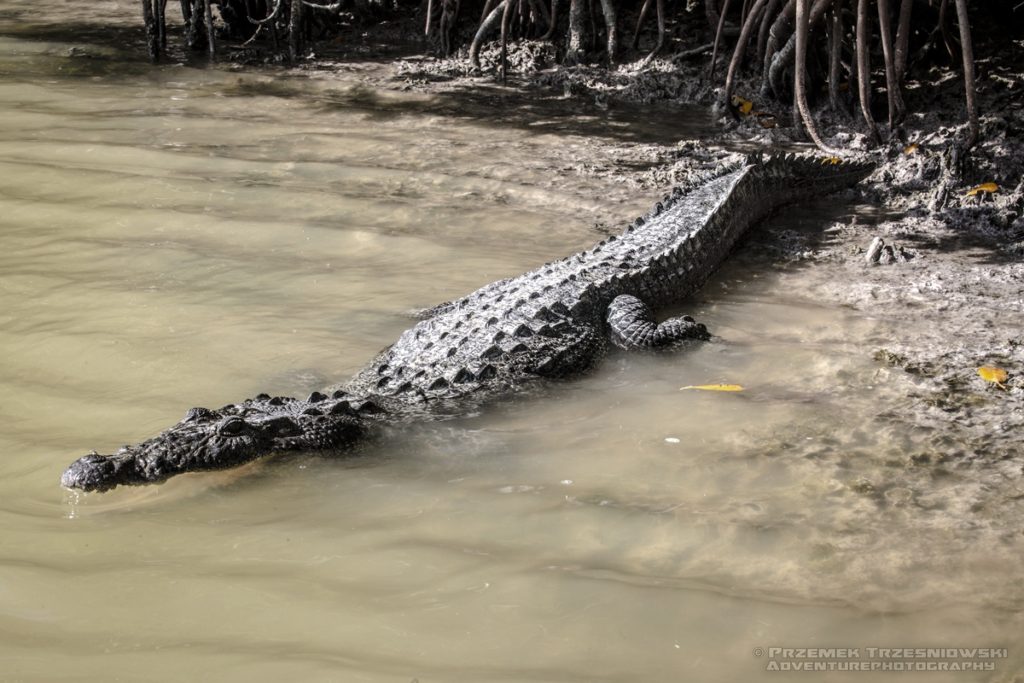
x=94 y=472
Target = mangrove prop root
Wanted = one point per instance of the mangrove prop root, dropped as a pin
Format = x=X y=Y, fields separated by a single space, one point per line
x=892 y=89
x=485 y=27
x=737 y=55
x=803 y=30
x=781 y=29
x=903 y=40
x=711 y=10
x=210 y=42
x=766 y=23
x=967 y=47
x=505 y=17
x=640 y=22
x=554 y=21
x=947 y=38
x=161 y=25
x=718 y=37
x=864 y=67
x=661 y=34
x=835 y=60
x=488 y=6
x=449 y=15
x=151 y=33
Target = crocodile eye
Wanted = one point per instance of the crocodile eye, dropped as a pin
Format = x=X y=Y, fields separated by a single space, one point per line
x=233 y=426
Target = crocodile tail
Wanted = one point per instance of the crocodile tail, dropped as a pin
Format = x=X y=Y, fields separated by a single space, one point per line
x=792 y=177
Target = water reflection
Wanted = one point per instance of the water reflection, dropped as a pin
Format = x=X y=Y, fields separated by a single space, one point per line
x=176 y=236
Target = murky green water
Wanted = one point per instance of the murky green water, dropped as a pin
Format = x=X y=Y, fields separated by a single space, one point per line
x=172 y=236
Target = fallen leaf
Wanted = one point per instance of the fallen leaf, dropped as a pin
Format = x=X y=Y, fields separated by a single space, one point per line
x=987 y=187
x=993 y=374
x=714 y=387
x=910 y=149
x=831 y=160
x=743 y=105
x=766 y=119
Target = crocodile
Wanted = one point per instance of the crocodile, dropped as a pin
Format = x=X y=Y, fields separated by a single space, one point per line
x=553 y=322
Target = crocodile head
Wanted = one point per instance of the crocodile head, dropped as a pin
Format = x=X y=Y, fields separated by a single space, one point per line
x=225 y=438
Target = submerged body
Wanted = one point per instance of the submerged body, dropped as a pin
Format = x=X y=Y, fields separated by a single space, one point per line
x=555 y=321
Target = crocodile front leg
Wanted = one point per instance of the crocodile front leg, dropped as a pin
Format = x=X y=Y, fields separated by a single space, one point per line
x=633 y=326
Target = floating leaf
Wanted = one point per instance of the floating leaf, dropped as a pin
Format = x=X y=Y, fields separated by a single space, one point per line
x=743 y=105
x=993 y=374
x=910 y=149
x=714 y=387
x=987 y=187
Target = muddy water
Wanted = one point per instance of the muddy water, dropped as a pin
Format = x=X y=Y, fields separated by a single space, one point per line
x=173 y=236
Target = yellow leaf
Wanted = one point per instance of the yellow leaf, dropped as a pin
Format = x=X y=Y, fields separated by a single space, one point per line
x=987 y=187
x=743 y=105
x=715 y=387
x=766 y=119
x=910 y=149
x=830 y=160
x=990 y=373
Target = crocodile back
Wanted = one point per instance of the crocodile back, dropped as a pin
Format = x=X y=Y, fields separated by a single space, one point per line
x=550 y=321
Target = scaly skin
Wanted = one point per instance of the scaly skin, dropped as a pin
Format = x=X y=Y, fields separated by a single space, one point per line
x=556 y=321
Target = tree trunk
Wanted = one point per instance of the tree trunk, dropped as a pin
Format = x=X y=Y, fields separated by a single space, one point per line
x=211 y=44
x=152 y=37
x=610 y=22
x=294 y=29
x=574 y=55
